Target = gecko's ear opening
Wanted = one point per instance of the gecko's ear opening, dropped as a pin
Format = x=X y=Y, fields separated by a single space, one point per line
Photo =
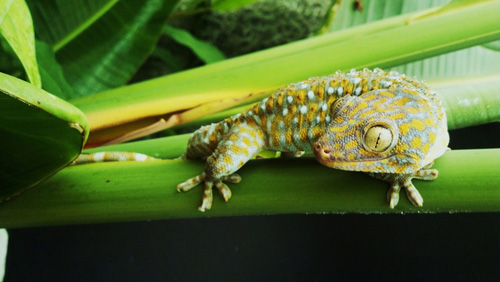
x=379 y=137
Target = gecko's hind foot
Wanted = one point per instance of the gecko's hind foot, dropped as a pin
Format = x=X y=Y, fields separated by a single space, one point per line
x=412 y=192
x=223 y=189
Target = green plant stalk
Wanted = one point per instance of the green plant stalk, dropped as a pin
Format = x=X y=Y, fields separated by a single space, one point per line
x=388 y=41
x=129 y=191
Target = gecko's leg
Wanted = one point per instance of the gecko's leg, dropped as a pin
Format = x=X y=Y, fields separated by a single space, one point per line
x=238 y=146
x=404 y=180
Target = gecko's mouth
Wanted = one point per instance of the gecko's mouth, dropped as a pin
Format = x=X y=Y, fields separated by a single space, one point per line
x=329 y=158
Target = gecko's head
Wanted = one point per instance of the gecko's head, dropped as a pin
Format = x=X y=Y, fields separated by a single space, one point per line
x=375 y=135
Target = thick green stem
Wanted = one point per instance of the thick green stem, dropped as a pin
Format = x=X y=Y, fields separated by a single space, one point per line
x=129 y=191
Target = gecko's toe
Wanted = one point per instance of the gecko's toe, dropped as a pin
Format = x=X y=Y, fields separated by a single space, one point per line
x=190 y=183
x=393 y=195
x=206 y=203
x=224 y=191
x=413 y=194
x=233 y=178
x=426 y=174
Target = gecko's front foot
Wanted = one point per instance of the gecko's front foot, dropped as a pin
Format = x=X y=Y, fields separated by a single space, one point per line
x=223 y=189
x=398 y=181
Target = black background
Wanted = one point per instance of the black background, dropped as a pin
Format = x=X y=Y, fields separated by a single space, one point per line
x=444 y=247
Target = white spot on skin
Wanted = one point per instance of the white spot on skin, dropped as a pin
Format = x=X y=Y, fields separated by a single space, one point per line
x=310 y=94
x=324 y=107
x=317 y=119
x=327 y=119
x=330 y=90
x=303 y=109
x=289 y=99
x=121 y=157
x=98 y=156
x=357 y=91
x=385 y=83
x=356 y=80
x=263 y=104
x=340 y=90
x=295 y=120
x=285 y=111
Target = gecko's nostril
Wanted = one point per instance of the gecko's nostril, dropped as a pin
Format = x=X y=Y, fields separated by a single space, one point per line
x=326 y=151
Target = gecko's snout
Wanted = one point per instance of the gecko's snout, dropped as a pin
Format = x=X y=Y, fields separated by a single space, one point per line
x=322 y=152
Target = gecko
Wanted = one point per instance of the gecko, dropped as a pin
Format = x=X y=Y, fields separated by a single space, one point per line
x=385 y=124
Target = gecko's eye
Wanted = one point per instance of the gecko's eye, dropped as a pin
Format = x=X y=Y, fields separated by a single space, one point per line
x=379 y=138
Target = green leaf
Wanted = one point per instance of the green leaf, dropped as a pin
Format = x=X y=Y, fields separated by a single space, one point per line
x=495 y=45
x=16 y=27
x=226 y=5
x=391 y=42
x=40 y=135
x=51 y=72
x=204 y=50
x=100 y=45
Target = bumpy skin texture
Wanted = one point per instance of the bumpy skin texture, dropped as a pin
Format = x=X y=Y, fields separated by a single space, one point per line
x=384 y=124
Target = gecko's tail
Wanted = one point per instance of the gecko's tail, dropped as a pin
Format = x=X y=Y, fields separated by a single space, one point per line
x=111 y=157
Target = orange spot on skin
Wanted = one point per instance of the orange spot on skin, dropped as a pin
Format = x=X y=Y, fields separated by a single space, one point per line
x=330 y=101
x=279 y=101
x=251 y=133
x=338 y=128
x=401 y=102
x=321 y=93
x=361 y=106
x=400 y=169
x=269 y=104
x=417 y=124
x=404 y=128
x=227 y=159
x=409 y=91
x=397 y=116
x=416 y=142
x=247 y=142
x=430 y=122
x=334 y=83
x=344 y=82
x=348 y=89
x=301 y=96
x=235 y=149
x=244 y=151
x=303 y=134
x=311 y=114
x=367 y=113
x=263 y=121
x=251 y=121
x=351 y=144
x=432 y=137
x=288 y=136
x=412 y=110
x=233 y=137
x=317 y=131
x=339 y=119
x=369 y=97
